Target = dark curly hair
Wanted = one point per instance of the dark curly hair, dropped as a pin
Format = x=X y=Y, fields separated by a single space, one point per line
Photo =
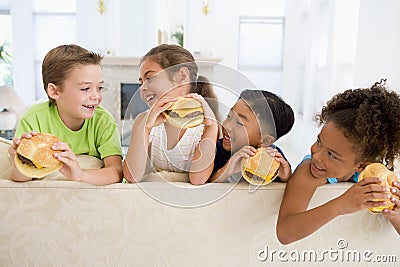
x=369 y=118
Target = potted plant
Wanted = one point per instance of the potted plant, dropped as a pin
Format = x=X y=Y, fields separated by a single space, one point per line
x=8 y=98
x=5 y=56
x=178 y=35
x=5 y=61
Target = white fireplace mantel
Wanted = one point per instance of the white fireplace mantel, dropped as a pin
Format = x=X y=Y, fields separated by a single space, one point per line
x=126 y=61
x=134 y=61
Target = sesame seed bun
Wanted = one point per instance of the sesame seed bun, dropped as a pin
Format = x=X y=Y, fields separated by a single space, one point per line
x=185 y=113
x=261 y=169
x=379 y=170
x=34 y=157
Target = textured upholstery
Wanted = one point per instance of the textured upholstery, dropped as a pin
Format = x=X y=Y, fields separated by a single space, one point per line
x=64 y=223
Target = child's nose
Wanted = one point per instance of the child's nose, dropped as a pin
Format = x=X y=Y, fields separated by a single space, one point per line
x=143 y=87
x=316 y=155
x=315 y=151
x=96 y=94
x=226 y=125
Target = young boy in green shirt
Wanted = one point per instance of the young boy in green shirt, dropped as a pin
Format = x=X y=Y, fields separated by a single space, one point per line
x=72 y=79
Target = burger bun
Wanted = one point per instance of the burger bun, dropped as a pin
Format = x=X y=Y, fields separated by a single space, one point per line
x=34 y=157
x=388 y=177
x=261 y=169
x=185 y=113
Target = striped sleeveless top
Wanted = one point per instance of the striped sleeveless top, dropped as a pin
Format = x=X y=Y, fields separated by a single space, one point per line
x=179 y=158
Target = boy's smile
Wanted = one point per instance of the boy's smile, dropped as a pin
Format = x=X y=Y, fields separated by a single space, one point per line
x=226 y=139
x=90 y=107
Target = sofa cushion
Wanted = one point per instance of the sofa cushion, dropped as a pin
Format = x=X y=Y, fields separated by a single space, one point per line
x=49 y=223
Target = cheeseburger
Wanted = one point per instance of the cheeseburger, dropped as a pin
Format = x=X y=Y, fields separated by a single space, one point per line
x=261 y=169
x=185 y=113
x=379 y=170
x=34 y=157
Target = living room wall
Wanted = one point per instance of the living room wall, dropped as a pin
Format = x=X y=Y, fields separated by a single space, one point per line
x=367 y=52
x=129 y=28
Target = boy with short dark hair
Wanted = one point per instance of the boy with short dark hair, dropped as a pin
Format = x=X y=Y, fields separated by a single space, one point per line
x=258 y=118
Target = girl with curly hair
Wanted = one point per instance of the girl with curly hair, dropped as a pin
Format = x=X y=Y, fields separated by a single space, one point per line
x=360 y=126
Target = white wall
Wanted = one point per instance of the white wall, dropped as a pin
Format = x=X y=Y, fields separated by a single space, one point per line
x=378 y=53
x=138 y=27
x=129 y=28
x=215 y=34
x=364 y=36
x=93 y=28
x=24 y=51
x=126 y=28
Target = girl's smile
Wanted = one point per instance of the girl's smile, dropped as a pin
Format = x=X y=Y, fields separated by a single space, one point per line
x=315 y=170
x=333 y=156
x=148 y=98
x=156 y=83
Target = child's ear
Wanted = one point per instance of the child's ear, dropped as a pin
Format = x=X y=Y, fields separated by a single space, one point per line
x=52 y=91
x=268 y=139
x=361 y=166
x=183 y=75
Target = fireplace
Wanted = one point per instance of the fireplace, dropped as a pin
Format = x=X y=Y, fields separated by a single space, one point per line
x=131 y=102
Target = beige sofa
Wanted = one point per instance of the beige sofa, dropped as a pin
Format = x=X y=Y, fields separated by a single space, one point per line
x=63 y=223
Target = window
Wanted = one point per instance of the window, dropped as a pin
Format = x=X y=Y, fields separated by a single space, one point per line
x=6 y=71
x=261 y=43
x=49 y=17
x=328 y=31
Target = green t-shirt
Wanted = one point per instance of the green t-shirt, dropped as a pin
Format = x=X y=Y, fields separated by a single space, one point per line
x=98 y=137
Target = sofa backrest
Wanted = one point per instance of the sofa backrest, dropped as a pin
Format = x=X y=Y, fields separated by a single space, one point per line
x=5 y=163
